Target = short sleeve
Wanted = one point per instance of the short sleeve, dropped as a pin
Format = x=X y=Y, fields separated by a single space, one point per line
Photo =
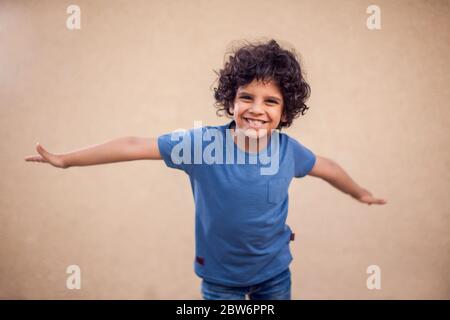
x=304 y=159
x=176 y=150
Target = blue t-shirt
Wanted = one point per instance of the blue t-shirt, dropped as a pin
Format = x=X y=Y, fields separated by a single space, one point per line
x=241 y=201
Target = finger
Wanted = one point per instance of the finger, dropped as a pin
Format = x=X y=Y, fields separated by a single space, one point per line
x=44 y=153
x=35 y=159
x=378 y=201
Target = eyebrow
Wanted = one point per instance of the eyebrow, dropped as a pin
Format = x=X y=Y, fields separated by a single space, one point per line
x=271 y=97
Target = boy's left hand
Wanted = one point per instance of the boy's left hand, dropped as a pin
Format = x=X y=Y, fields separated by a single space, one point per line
x=366 y=197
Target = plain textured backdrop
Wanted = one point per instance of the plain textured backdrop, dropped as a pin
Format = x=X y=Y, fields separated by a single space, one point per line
x=379 y=107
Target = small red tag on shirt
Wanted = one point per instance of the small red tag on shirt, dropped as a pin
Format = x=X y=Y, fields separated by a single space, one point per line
x=200 y=260
x=292 y=236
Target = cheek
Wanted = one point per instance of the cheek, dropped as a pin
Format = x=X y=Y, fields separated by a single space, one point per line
x=276 y=113
x=239 y=108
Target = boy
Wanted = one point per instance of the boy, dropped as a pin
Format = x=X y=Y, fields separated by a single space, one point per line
x=239 y=172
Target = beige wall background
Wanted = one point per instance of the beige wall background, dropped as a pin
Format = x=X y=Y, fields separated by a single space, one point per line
x=379 y=107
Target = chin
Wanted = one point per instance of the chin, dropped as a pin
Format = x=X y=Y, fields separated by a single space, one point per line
x=255 y=134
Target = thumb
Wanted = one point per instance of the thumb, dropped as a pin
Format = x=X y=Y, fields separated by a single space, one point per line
x=40 y=149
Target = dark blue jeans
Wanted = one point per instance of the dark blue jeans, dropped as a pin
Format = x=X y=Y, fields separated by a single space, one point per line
x=276 y=288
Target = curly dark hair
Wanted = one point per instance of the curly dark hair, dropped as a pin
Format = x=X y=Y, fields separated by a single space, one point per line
x=263 y=61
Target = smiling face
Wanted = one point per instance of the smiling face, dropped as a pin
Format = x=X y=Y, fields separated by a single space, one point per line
x=258 y=108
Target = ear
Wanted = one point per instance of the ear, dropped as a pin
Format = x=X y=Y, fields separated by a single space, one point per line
x=231 y=109
x=283 y=117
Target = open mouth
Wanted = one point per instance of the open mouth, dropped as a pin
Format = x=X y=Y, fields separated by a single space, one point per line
x=255 y=122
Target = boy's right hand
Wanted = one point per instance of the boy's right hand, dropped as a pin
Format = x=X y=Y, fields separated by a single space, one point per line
x=47 y=157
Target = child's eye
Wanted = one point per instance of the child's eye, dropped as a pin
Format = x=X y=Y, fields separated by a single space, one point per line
x=268 y=101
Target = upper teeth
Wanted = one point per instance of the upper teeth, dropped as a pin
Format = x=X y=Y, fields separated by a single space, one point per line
x=255 y=121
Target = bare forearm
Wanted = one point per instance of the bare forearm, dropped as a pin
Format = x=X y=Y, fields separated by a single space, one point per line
x=112 y=151
x=332 y=172
x=342 y=181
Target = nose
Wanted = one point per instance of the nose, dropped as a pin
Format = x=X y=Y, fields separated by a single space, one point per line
x=256 y=108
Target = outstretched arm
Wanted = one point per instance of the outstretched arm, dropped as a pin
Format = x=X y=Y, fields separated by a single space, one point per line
x=120 y=149
x=332 y=172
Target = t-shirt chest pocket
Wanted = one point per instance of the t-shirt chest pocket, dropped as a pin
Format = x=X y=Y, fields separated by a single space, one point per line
x=277 y=189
